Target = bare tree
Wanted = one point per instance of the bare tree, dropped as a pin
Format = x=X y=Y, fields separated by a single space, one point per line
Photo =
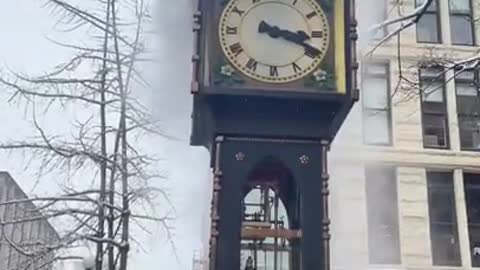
x=402 y=22
x=422 y=70
x=99 y=83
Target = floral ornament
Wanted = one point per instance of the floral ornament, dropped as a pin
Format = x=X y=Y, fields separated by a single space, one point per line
x=304 y=159
x=240 y=156
x=322 y=79
x=226 y=74
x=226 y=70
x=320 y=75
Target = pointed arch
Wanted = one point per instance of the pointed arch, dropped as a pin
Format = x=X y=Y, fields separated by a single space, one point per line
x=270 y=205
x=274 y=173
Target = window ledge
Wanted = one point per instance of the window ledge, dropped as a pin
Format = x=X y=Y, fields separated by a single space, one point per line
x=437 y=267
x=386 y=266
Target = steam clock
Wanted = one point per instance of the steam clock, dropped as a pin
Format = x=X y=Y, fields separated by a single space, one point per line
x=273 y=80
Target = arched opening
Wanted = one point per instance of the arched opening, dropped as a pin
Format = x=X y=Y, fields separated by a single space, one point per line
x=270 y=219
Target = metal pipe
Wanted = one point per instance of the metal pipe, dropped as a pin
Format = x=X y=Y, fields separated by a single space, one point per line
x=266 y=203
x=275 y=251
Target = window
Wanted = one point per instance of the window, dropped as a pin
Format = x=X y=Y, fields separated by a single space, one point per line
x=263 y=209
x=376 y=105
x=472 y=199
x=434 y=109
x=376 y=16
x=3 y=198
x=428 y=27
x=7 y=230
x=468 y=110
x=461 y=22
x=443 y=219
x=382 y=210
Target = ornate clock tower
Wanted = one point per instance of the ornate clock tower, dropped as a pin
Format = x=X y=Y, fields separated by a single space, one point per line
x=273 y=81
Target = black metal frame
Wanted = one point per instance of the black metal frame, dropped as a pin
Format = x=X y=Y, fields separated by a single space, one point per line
x=307 y=161
x=329 y=108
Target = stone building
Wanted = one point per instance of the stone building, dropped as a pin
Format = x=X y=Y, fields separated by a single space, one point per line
x=406 y=170
x=16 y=238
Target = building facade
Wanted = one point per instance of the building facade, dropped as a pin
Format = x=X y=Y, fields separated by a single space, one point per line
x=405 y=169
x=23 y=243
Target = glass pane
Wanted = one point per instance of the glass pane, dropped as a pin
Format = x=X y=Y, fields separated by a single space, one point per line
x=443 y=201
x=474 y=233
x=468 y=106
x=472 y=198
x=466 y=89
x=376 y=16
x=441 y=197
x=443 y=220
x=459 y=6
x=461 y=27
x=427 y=29
x=376 y=128
x=434 y=130
x=375 y=69
x=433 y=72
x=440 y=179
x=469 y=132
x=465 y=75
x=432 y=7
x=445 y=248
x=375 y=93
x=432 y=91
x=382 y=210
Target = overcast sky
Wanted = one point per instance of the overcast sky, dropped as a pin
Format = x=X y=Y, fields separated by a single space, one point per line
x=24 y=28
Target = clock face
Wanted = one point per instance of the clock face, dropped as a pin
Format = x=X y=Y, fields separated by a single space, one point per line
x=274 y=41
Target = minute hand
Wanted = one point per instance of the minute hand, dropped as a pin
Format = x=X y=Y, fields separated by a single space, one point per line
x=299 y=38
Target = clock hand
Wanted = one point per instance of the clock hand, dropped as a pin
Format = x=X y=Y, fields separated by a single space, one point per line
x=274 y=31
x=298 y=38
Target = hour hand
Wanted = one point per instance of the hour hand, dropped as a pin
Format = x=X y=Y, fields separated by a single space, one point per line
x=264 y=27
x=272 y=31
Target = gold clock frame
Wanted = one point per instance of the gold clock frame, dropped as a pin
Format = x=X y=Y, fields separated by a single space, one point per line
x=266 y=79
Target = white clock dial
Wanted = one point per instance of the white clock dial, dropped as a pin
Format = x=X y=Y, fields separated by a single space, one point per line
x=274 y=41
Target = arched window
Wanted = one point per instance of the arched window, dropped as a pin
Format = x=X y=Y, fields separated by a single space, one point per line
x=264 y=215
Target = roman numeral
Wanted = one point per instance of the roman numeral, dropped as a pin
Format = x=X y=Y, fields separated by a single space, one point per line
x=252 y=64
x=296 y=68
x=311 y=15
x=317 y=34
x=232 y=30
x=238 y=11
x=311 y=52
x=236 y=48
x=273 y=71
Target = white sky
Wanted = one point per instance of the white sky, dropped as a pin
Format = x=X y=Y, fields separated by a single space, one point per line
x=24 y=26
